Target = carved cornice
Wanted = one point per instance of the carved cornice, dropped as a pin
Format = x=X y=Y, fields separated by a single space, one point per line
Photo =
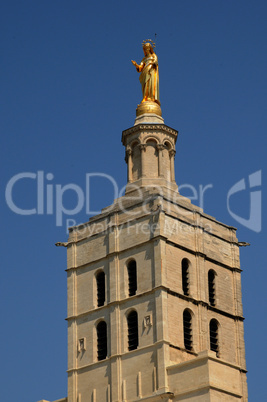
x=149 y=128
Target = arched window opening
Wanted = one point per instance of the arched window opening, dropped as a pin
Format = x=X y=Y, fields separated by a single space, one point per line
x=132 y=321
x=211 y=279
x=214 y=341
x=134 y=144
x=132 y=279
x=188 y=339
x=167 y=145
x=151 y=141
x=101 y=330
x=185 y=276
x=101 y=291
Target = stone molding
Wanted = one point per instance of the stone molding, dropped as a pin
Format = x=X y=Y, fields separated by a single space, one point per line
x=149 y=128
x=196 y=302
x=155 y=197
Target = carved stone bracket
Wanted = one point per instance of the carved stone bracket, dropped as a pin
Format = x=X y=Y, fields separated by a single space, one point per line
x=160 y=147
x=142 y=147
x=128 y=154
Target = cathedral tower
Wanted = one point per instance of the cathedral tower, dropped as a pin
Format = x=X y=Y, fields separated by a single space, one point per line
x=154 y=287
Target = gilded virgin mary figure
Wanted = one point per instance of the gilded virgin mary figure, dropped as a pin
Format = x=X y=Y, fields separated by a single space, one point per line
x=149 y=77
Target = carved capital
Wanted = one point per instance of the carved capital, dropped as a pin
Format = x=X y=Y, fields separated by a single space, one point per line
x=160 y=147
x=172 y=152
x=128 y=154
x=142 y=147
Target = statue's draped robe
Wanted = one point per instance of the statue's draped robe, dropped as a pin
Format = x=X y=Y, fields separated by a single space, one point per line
x=149 y=78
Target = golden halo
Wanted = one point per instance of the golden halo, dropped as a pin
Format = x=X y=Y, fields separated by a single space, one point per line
x=150 y=42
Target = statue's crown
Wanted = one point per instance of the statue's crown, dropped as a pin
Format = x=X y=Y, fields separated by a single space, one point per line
x=149 y=42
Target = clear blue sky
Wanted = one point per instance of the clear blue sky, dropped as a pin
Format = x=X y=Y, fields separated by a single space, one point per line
x=68 y=89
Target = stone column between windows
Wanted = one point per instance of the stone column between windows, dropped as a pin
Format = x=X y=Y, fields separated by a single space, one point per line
x=161 y=307
x=160 y=149
x=160 y=256
x=199 y=290
x=172 y=153
x=129 y=157
x=114 y=329
x=115 y=358
x=142 y=148
x=113 y=264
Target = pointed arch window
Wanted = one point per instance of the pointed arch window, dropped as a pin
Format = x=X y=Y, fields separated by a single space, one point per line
x=132 y=322
x=211 y=280
x=214 y=338
x=132 y=278
x=101 y=330
x=185 y=276
x=188 y=338
x=101 y=289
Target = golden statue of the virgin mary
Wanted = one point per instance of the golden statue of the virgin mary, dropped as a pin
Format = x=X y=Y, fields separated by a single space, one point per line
x=149 y=79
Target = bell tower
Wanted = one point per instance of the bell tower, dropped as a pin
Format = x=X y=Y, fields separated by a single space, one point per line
x=150 y=152
x=154 y=283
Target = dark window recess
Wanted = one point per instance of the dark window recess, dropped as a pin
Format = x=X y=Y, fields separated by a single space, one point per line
x=185 y=276
x=211 y=279
x=188 y=341
x=101 y=340
x=100 y=283
x=132 y=280
x=214 y=343
x=132 y=321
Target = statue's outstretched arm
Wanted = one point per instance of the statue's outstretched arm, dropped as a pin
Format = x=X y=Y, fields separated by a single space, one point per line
x=139 y=67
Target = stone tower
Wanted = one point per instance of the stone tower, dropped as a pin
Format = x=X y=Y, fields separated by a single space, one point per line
x=154 y=287
x=154 y=290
